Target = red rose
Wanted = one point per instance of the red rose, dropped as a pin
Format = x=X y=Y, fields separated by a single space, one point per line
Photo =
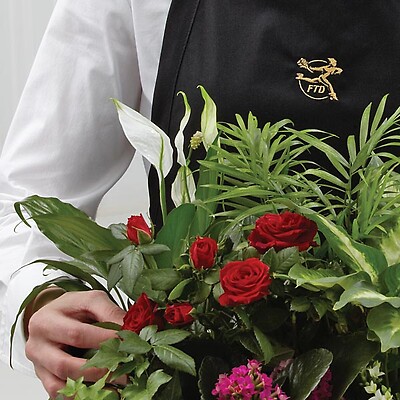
x=178 y=314
x=244 y=282
x=283 y=230
x=137 y=230
x=203 y=252
x=142 y=313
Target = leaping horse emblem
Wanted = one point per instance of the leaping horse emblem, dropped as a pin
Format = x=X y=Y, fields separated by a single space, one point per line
x=318 y=87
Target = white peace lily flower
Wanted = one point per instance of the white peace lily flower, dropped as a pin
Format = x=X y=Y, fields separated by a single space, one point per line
x=208 y=119
x=180 y=192
x=179 y=138
x=147 y=138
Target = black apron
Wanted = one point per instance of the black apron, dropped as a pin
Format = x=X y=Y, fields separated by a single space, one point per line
x=317 y=62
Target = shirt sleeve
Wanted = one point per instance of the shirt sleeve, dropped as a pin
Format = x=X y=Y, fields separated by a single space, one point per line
x=65 y=139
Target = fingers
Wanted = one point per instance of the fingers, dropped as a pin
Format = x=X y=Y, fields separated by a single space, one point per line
x=64 y=323
x=50 y=382
x=93 y=304
x=67 y=331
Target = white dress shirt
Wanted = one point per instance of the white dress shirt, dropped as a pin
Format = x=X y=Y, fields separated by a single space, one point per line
x=65 y=139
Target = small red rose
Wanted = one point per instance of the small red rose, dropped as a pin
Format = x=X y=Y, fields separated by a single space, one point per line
x=179 y=314
x=137 y=230
x=283 y=230
x=202 y=252
x=142 y=313
x=244 y=282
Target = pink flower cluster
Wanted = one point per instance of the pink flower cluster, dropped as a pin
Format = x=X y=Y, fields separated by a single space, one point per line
x=247 y=382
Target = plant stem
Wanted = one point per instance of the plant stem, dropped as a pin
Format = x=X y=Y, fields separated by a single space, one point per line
x=163 y=200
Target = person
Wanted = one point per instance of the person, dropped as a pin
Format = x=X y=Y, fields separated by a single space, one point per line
x=65 y=140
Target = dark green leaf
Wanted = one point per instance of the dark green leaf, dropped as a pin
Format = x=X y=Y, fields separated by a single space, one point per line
x=210 y=369
x=174 y=234
x=172 y=390
x=162 y=279
x=201 y=292
x=74 y=271
x=351 y=353
x=108 y=356
x=71 y=230
x=132 y=343
x=155 y=380
x=148 y=332
x=175 y=358
x=132 y=267
x=177 y=291
x=265 y=345
x=153 y=249
x=170 y=336
x=306 y=371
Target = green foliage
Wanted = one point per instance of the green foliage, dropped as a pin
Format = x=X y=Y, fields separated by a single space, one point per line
x=306 y=371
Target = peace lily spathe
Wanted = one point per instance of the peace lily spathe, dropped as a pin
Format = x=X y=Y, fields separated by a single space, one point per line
x=147 y=138
x=184 y=187
x=208 y=119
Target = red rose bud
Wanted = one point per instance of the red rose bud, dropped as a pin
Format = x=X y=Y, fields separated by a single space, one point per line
x=202 y=252
x=283 y=230
x=244 y=282
x=137 y=230
x=179 y=314
x=141 y=314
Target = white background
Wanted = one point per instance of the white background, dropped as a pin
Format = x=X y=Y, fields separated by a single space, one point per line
x=22 y=23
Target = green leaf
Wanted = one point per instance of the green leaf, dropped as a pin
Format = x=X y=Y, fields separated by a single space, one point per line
x=148 y=332
x=300 y=304
x=285 y=259
x=175 y=358
x=324 y=278
x=114 y=276
x=155 y=380
x=366 y=295
x=210 y=369
x=172 y=390
x=118 y=231
x=204 y=211
x=162 y=279
x=170 y=336
x=174 y=234
x=153 y=249
x=73 y=270
x=265 y=345
x=384 y=321
x=71 y=230
x=390 y=245
x=201 y=292
x=351 y=353
x=132 y=267
x=132 y=343
x=391 y=278
x=108 y=356
x=356 y=255
x=177 y=291
x=306 y=371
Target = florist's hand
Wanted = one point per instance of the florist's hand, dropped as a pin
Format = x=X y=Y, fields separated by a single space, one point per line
x=64 y=323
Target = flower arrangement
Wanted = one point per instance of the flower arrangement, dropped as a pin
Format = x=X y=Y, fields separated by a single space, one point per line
x=273 y=278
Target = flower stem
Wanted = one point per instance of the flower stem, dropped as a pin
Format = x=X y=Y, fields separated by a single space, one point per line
x=163 y=200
